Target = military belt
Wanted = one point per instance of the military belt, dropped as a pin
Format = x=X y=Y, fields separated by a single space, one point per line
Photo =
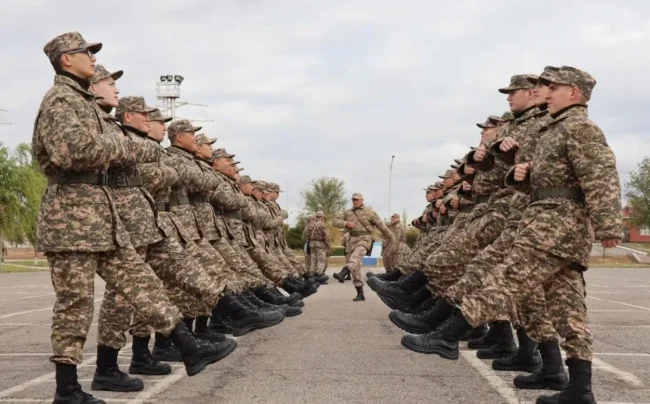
x=197 y=198
x=174 y=201
x=573 y=193
x=481 y=199
x=359 y=233
x=162 y=206
x=124 y=181
x=78 y=178
x=466 y=208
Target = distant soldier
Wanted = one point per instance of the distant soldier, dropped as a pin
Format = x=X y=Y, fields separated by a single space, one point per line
x=319 y=244
x=359 y=223
x=77 y=225
x=309 y=223
x=395 y=259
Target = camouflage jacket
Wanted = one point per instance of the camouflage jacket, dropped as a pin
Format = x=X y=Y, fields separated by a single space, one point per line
x=134 y=204
x=400 y=246
x=183 y=161
x=280 y=215
x=158 y=178
x=211 y=227
x=261 y=220
x=229 y=201
x=572 y=152
x=69 y=136
x=365 y=219
x=319 y=235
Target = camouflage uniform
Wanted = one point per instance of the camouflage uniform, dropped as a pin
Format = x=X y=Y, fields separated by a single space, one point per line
x=365 y=220
x=305 y=236
x=396 y=258
x=553 y=241
x=78 y=227
x=319 y=244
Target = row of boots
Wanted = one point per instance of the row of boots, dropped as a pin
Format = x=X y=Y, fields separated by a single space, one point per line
x=437 y=327
x=197 y=342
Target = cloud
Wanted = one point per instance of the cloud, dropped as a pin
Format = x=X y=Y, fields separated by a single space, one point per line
x=306 y=89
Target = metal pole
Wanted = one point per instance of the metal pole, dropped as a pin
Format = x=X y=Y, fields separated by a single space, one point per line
x=390 y=184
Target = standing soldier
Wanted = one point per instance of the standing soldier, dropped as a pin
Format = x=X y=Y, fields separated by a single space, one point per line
x=309 y=223
x=77 y=225
x=395 y=259
x=319 y=244
x=359 y=223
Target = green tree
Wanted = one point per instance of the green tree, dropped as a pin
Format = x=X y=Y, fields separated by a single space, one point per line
x=326 y=194
x=638 y=194
x=293 y=235
x=10 y=229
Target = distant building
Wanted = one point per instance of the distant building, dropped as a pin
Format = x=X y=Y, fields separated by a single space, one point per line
x=631 y=233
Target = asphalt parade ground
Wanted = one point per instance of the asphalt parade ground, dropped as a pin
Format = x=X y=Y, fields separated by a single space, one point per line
x=337 y=351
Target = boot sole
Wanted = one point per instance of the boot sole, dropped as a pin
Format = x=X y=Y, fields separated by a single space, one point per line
x=542 y=386
x=338 y=279
x=145 y=372
x=111 y=387
x=430 y=350
x=238 y=332
x=405 y=327
x=527 y=369
x=213 y=339
x=293 y=315
x=296 y=304
x=200 y=367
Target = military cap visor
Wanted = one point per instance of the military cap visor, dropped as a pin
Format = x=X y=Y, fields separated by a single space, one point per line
x=518 y=82
x=157 y=116
x=101 y=73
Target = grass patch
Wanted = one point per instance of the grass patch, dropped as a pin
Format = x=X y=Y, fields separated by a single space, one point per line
x=14 y=267
x=615 y=262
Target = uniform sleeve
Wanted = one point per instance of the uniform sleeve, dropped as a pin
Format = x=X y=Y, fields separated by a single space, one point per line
x=157 y=176
x=326 y=236
x=146 y=151
x=399 y=233
x=339 y=222
x=226 y=197
x=71 y=147
x=486 y=165
x=376 y=221
x=201 y=181
x=508 y=157
x=594 y=164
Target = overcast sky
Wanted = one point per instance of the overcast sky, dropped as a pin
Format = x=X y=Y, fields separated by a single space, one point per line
x=302 y=89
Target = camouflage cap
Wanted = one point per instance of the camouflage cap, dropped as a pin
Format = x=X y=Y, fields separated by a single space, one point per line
x=133 y=104
x=69 y=42
x=488 y=124
x=448 y=174
x=101 y=73
x=261 y=185
x=319 y=214
x=506 y=117
x=454 y=166
x=548 y=70
x=221 y=153
x=395 y=215
x=517 y=82
x=246 y=179
x=357 y=195
x=202 y=139
x=234 y=163
x=181 y=126
x=275 y=187
x=159 y=117
x=239 y=169
x=571 y=76
x=434 y=187
x=458 y=161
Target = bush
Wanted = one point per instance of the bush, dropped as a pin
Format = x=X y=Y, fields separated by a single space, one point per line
x=338 y=252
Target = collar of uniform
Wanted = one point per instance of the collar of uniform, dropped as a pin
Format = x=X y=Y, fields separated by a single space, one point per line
x=179 y=151
x=359 y=208
x=202 y=161
x=526 y=114
x=135 y=131
x=76 y=83
x=575 y=109
x=106 y=108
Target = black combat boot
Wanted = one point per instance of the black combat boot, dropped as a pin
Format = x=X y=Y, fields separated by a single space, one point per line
x=360 y=297
x=68 y=389
x=266 y=295
x=475 y=333
x=295 y=299
x=196 y=356
x=341 y=276
x=418 y=299
x=164 y=350
x=397 y=295
x=443 y=341
x=427 y=305
x=322 y=279
x=489 y=340
x=285 y=309
x=143 y=363
x=388 y=276
x=189 y=323
x=242 y=319
x=202 y=331
x=527 y=359
x=505 y=345
x=295 y=286
x=551 y=376
x=109 y=377
x=579 y=388
x=426 y=321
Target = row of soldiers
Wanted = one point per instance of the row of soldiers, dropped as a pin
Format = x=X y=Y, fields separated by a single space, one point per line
x=189 y=249
x=506 y=239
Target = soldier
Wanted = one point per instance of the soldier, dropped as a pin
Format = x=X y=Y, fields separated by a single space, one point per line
x=572 y=168
x=396 y=259
x=309 y=223
x=77 y=227
x=359 y=222
x=319 y=244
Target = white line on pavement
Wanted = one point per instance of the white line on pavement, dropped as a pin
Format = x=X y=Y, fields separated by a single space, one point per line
x=161 y=386
x=48 y=401
x=491 y=376
x=615 y=311
x=26 y=298
x=44 y=378
x=35 y=311
x=31 y=324
x=621 y=303
x=642 y=355
x=621 y=375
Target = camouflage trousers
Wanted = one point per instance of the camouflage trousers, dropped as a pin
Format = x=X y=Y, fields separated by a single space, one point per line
x=394 y=261
x=318 y=261
x=300 y=268
x=527 y=269
x=448 y=264
x=268 y=264
x=485 y=270
x=416 y=259
x=233 y=267
x=73 y=279
x=354 y=262
x=243 y=270
x=189 y=287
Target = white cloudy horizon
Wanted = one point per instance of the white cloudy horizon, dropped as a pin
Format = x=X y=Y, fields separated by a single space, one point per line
x=302 y=89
